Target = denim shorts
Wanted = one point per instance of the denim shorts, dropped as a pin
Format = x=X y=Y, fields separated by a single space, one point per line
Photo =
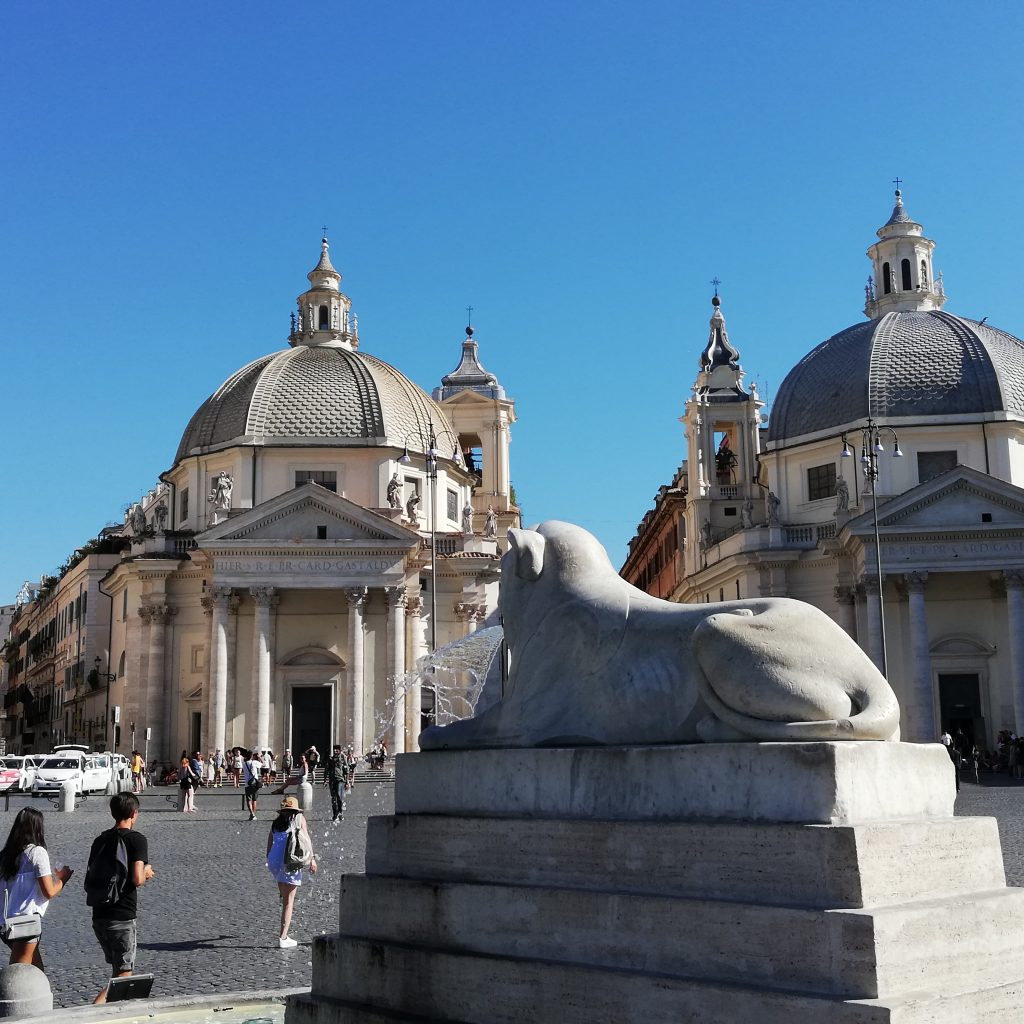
x=117 y=939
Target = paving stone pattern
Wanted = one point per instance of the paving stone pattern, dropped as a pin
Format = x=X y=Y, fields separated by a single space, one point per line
x=208 y=921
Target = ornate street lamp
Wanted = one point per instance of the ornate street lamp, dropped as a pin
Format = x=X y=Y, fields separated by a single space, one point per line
x=428 y=442
x=870 y=448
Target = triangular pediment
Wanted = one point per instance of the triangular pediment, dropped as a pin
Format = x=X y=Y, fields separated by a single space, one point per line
x=302 y=515
x=959 y=499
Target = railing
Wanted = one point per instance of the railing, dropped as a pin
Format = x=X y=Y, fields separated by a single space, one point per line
x=448 y=545
x=808 y=536
x=184 y=544
x=728 y=491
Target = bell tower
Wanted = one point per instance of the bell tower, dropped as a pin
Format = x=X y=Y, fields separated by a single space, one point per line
x=325 y=314
x=902 y=277
x=722 y=422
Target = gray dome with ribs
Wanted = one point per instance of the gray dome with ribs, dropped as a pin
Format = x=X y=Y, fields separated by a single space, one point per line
x=907 y=363
x=319 y=396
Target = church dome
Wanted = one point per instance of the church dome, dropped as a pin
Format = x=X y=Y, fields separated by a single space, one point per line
x=910 y=359
x=320 y=393
x=905 y=363
x=319 y=396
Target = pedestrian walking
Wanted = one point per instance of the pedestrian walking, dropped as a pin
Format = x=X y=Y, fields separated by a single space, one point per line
x=136 y=766
x=350 y=763
x=28 y=882
x=237 y=761
x=253 y=769
x=288 y=876
x=187 y=784
x=113 y=894
x=219 y=763
x=312 y=760
x=335 y=779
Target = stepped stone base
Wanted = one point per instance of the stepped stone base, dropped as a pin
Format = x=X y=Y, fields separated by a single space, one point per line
x=491 y=897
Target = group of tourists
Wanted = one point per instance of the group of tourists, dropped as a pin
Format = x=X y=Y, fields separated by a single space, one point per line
x=118 y=867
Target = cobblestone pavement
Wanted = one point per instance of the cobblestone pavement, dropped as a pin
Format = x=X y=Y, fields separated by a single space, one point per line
x=208 y=921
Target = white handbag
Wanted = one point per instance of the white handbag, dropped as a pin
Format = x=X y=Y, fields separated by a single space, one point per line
x=20 y=927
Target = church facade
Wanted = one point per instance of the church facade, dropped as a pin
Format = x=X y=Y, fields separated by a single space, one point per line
x=325 y=523
x=886 y=487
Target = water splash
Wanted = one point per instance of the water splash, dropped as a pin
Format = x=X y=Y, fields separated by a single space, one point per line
x=455 y=680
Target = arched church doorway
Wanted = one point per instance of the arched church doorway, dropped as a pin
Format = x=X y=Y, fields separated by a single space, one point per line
x=313 y=688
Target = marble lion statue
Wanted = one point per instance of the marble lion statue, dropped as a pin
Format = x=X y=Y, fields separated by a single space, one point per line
x=594 y=661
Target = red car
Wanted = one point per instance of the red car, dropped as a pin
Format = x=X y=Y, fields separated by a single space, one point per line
x=10 y=779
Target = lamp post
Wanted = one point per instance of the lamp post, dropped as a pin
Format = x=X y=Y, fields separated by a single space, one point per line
x=429 y=444
x=870 y=448
x=109 y=678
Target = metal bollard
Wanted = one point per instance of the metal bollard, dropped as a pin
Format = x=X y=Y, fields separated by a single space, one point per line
x=67 y=796
x=305 y=796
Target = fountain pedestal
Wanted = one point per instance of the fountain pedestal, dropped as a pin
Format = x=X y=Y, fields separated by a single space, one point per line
x=802 y=883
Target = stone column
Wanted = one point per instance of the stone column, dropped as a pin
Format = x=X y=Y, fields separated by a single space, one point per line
x=356 y=600
x=924 y=728
x=418 y=648
x=874 y=638
x=1014 y=579
x=157 y=700
x=207 y=710
x=262 y=640
x=231 y=701
x=396 y=598
x=846 y=596
x=221 y=598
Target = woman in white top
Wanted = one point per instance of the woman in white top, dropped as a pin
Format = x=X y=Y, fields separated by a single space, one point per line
x=26 y=879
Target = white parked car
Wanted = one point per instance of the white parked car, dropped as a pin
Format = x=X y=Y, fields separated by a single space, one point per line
x=122 y=773
x=26 y=765
x=58 y=768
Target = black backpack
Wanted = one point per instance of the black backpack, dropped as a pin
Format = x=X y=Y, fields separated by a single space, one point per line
x=107 y=873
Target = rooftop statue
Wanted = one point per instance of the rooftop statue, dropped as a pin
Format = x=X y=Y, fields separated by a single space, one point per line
x=596 y=661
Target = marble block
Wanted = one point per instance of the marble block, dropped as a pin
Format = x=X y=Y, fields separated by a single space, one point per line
x=822 y=782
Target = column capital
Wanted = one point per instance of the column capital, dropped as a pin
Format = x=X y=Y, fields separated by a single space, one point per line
x=915 y=581
x=413 y=604
x=356 y=596
x=1013 y=578
x=220 y=596
x=265 y=597
x=146 y=612
x=162 y=613
x=396 y=596
x=845 y=595
x=465 y=611
x=871 y=584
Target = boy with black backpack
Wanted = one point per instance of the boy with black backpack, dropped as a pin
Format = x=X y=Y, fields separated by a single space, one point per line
x=118 y=867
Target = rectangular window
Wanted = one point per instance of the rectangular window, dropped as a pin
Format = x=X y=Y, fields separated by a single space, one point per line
x=183 y=505
x=821 y=482
x=124 y=604
x=321 y=533
x=198 y=658
x=932 y=464
x=453 y=506
x=326 y=478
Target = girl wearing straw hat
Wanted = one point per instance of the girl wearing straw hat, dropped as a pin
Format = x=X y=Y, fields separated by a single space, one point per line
x=289 y=816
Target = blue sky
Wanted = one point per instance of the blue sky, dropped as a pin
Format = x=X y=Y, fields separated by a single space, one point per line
x=576 y=172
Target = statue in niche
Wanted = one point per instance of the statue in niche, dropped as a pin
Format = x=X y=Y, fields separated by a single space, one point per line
x=467 y=520
x=491 y=523
x=747 y=515
x=410 y=507
x=395 y=492
x=706 y=536
x=137 y=520
x=773 y=503
x=595 y=661
x=842 y=496
x=220 y=493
